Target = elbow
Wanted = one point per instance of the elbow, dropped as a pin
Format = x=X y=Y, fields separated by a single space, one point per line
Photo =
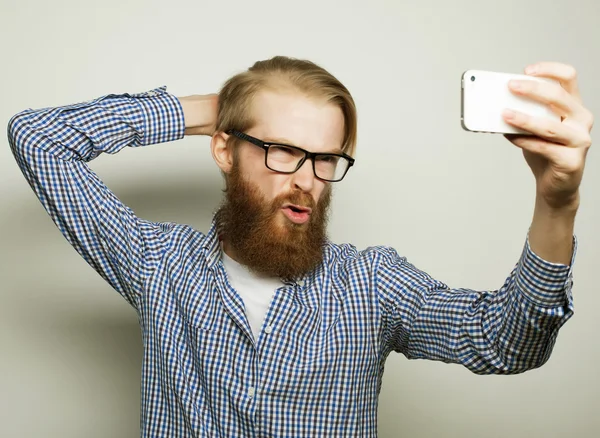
x=17 y=127
x=535 y=357
x=510 y=358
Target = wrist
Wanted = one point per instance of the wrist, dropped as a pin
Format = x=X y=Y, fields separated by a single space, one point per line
x=552 y=208
x=199 y=113
x=552 y=229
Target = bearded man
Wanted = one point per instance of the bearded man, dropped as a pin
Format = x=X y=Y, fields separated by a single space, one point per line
x=263 y=327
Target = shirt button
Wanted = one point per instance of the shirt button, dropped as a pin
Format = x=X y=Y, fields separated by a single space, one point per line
x=251 y=391
x=268 y=329
x=300 y=283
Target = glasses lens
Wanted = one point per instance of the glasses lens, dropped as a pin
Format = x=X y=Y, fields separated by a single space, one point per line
x=283 y=158
x=331 y=167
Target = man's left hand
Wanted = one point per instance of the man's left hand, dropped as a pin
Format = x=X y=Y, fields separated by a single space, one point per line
x=557 y=150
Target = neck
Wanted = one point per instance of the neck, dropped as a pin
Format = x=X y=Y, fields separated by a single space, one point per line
x=228 y=249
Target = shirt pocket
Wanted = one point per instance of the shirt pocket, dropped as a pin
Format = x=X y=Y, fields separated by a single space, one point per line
x=219 y=362
x=308 y=350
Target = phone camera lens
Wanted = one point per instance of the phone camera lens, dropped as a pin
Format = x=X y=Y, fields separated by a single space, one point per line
x=472 y=78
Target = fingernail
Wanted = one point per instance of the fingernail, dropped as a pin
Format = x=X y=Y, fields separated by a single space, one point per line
x=508 y=114
x=515 y=85
x=530 y=70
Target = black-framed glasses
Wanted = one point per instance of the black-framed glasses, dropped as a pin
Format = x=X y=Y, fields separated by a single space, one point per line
x=283 y=158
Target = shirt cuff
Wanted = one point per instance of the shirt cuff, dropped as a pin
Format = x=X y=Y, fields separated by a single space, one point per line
x=545 y=283
x=163 y=116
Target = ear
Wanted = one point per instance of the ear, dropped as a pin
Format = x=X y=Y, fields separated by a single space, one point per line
x=222 y=154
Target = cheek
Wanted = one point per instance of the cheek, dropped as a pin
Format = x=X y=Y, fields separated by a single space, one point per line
x=318 y=191
x=269 y=185
x=278 y=185
x=256 y=173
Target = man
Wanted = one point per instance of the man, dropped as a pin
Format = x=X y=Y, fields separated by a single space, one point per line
x=263 y=327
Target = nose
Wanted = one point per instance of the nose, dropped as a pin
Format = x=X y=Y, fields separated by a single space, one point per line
x=304 y=178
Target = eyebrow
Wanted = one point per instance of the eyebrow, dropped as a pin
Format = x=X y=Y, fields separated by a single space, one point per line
x=287 y=142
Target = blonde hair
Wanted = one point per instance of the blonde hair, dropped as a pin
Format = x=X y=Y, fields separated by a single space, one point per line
x=235 y=98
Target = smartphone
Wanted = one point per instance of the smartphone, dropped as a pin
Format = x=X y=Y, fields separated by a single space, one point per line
x=485 y=95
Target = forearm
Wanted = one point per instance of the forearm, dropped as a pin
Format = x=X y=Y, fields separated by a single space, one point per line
x=82 y=131
x=551 y=231
x=504 y=331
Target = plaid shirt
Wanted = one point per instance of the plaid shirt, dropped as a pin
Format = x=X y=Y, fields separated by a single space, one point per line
x=316 y=368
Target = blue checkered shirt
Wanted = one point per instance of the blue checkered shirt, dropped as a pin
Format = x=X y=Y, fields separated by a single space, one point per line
x=316 y=368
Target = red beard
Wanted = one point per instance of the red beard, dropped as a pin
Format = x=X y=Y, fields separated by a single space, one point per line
x=266 y=241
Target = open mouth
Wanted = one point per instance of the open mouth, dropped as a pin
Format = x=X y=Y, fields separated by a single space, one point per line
x=297 y=213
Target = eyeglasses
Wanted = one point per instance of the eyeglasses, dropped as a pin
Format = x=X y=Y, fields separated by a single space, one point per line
x=284 y=158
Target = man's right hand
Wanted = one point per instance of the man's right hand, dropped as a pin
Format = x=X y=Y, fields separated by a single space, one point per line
x=200 y=112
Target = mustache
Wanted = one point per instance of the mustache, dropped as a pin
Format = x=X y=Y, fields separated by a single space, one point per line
x=297 y=198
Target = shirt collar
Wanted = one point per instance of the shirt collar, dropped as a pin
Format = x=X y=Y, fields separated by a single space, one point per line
x=212 y=245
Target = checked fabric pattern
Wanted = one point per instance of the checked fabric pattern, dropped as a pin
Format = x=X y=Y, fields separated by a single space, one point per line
x=316 y=368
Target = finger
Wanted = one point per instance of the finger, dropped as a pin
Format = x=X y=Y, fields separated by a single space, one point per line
x=533 y=144
x=565 y=74
x=551 y=94
x=556 y=97
x=543 y=127
x=194 y=131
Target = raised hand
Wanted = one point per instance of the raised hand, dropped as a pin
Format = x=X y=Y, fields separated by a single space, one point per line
x=556 y=153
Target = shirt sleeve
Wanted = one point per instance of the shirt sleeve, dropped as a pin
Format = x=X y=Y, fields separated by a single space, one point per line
x=52 y=147
x=504 y=331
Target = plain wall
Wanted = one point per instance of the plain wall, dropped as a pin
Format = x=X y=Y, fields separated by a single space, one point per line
x=457 y=204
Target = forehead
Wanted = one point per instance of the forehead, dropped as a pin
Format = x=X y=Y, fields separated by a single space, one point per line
x=294 y=118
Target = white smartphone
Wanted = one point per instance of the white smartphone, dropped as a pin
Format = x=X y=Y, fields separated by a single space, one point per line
x=485 y=95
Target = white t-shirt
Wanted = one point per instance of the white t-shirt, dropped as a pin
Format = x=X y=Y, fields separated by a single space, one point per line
x=256 y=291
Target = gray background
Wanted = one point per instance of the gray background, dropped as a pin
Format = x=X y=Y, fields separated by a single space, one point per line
x=457 y=204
